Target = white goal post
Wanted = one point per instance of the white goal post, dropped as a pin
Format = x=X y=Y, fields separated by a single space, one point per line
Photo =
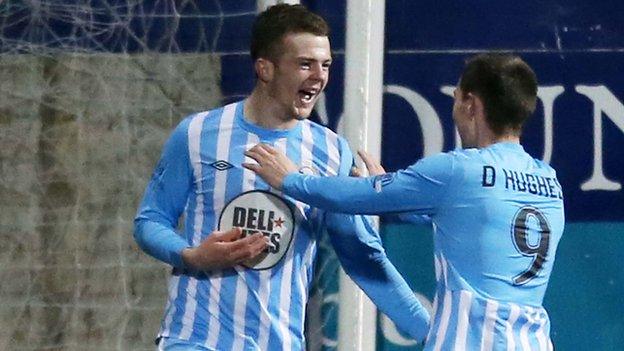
x=361 y=126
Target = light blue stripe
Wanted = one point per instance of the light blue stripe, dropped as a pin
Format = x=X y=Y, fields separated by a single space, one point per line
x=476 y=320
x=275 y=337
x=319 y=152
x=275 y=334
x=234 y=187
x=180 y=302
x=207 y=147
x=302 y=240
x=451 y=331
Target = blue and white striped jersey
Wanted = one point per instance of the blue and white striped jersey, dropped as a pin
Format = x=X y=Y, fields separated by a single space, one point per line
x=259 y=305
x=498 y=217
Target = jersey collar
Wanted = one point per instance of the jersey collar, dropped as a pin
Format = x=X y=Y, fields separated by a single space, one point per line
x=263 y=133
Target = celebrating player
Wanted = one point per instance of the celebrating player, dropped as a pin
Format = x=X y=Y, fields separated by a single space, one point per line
x=243 y=266
x=497 y=212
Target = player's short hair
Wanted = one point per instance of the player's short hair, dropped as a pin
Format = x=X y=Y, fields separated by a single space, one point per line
x=506 y=85
x=279 y=20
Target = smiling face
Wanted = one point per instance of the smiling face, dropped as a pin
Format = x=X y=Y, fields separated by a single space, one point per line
x=300 y=74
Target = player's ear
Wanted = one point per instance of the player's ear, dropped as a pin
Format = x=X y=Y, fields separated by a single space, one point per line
x=479 y=109
x=474 y=105
x=264 y=69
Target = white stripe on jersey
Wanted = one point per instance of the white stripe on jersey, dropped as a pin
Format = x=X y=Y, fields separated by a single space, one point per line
x=333 y=154
x=525 y=327
x=434 y=313
x=444 y=271
x=487 y=336
x=437 y=266
x=307 y=144
x=444 y=320
x=524 y=330
x=240 y=305
x=264 y=276
x=249 y=176
x=222 y=153
x=436 y=263
x=539 y=334
x=194 y=137
x=194 y=141
x=189 y=309
x=174 y=280
x=446 y=307
x=513 y=316
x=465 y=299
x=285 y=288
x=263 y=298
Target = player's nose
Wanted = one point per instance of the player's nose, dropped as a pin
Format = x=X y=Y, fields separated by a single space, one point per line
x=318 y=72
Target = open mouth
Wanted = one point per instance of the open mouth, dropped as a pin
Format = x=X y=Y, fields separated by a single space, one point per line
x=307 y=95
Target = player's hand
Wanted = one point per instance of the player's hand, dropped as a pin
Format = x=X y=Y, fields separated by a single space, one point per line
x=372 y=165
x=224 y=249
x=272 y=165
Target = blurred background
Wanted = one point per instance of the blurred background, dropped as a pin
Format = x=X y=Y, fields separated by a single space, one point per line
x=90 y=90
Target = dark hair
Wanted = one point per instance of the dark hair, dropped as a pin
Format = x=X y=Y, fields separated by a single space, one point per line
x=506 y=85
x=277 y=21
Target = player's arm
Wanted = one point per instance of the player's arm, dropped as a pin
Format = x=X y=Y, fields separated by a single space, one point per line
x=164 y=200
x=420 y=188
x=163 y=203
x=359 y=249
x=361 y=254
x=375 y=168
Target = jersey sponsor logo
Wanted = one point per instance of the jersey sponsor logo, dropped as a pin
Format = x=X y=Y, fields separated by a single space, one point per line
x=264 y=212
x=221 y=165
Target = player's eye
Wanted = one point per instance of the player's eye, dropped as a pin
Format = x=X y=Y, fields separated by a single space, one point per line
x=305 y=65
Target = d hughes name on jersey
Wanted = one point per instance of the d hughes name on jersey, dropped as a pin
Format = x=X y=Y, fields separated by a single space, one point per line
x=522 y=182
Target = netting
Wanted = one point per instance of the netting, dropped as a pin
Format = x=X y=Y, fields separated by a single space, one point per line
x=90 y=91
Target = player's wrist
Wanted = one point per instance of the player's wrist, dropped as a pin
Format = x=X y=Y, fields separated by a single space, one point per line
x=189 y=257
x=290 y=178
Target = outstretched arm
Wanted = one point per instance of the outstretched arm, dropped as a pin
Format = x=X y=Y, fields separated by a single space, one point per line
x=359 y=249
x=375 y=168
x=419 y=188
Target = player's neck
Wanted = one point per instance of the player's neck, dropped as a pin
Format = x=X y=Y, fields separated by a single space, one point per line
x=262 y=110
x=488 y=139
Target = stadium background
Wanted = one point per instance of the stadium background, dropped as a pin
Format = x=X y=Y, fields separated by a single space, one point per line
x=90 y=91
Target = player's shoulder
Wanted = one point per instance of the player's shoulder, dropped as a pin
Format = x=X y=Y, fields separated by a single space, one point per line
x=199 y=118
x=443 y=162
x=319 y=128
x=544 y=168
x=326 y=133
x=457 y=161
x=457 y=156
x=464 y=154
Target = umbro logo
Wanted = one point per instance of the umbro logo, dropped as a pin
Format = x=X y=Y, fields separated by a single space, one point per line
x=221 y=165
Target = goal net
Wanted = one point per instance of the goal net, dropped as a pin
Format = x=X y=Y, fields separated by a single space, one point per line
x=90 y=91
